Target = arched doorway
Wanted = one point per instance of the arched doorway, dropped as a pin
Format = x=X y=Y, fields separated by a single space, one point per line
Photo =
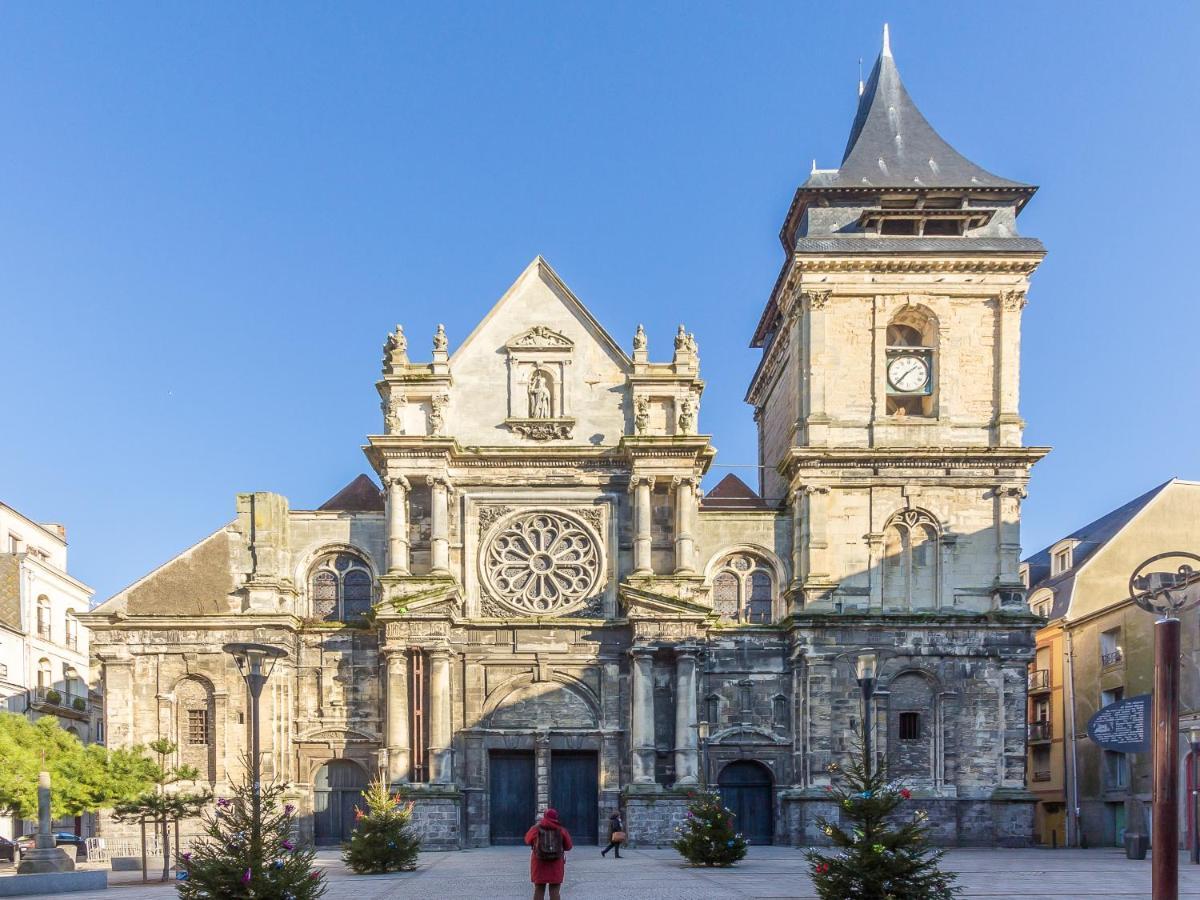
x=337 y=789
x=746 y=792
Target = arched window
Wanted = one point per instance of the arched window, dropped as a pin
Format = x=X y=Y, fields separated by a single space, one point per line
x=910 y=561
x=194 y=722
x=909 y=365
x=340 y=588
x=43 y=617
x=744 y=590
x=72 y=630
x=45 y=675
x=911 y=716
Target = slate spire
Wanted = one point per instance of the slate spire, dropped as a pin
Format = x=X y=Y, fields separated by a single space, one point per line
x=892 y=145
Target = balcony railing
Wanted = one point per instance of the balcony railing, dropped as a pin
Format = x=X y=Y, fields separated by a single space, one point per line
x=1039 y=731
x=1041 y=776
x=1039 y=680
x=1112 y=657
x=53 y=697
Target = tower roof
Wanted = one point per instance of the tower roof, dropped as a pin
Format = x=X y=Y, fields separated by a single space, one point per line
x=892 y=145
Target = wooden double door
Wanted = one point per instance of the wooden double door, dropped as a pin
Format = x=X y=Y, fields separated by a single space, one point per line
x=337 y=790
x=574 y=792
x=746 y=790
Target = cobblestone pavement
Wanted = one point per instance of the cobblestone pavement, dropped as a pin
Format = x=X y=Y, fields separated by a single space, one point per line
x=498 y=873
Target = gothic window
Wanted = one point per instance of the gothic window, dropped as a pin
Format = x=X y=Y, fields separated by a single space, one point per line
x=909 y=363
x=743 y=590
x=340 y=588
x=542 y=563
x=910 y=561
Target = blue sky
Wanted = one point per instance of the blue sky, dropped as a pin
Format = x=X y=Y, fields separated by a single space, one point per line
x=211 y=215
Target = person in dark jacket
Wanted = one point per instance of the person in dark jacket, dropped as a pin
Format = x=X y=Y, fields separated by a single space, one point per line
x=615 y=824
x=547 y=872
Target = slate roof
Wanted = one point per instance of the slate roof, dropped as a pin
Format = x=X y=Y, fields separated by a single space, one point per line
x=1090 y=537
x=732 y=493
x=892 y=145
x=360 y=495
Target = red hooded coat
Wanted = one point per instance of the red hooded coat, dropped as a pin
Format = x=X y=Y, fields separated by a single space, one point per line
x=543 y=871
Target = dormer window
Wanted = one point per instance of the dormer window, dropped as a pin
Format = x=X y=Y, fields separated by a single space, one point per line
x=1060 y=559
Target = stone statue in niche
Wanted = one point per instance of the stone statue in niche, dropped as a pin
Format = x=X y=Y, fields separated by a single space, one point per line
x=437 y=410
x=539 y=396
x=394 y=418
x=687 y=416
x=641 y=415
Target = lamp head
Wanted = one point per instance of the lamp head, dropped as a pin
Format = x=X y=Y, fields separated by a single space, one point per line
x=255 y=660
x=702 y=730
x=1194 y=734
x=866 y=665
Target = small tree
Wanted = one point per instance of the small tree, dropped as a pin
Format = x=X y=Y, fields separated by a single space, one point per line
x=225 y=863
x=162 y=806
x=84 y=778
x=882 y=854
x=383 y=839
x=708 y=837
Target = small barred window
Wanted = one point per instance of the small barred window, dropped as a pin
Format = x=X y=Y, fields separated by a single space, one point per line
x=197 y=727
x=910 y=726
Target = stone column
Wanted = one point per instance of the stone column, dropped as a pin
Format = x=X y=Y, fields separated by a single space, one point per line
x=439 y=515
x=440 y=768
x=641 y=486
x=815 y=537
x=1008 y=381
x=399 y=749
x=397 y=525
x=687 y=739
x=685 y=516
x=796 y=495
x=816 y=430
x=641 y=726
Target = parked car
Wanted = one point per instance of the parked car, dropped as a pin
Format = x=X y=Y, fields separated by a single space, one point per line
x=61 y=839
x=8 y=851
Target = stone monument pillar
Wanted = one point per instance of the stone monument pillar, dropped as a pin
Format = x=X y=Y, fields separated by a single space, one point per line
x=45 y=856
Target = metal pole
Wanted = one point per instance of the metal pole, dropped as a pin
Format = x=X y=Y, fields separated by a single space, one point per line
x=1195 y=802
x=255 y=683
x=1165 y=856
x=868 y=688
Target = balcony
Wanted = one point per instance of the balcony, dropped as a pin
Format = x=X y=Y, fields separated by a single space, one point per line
x=1039 y=680
x=1039 y=732
x=1041 y=776
x=56 y=702
x=1112 y=657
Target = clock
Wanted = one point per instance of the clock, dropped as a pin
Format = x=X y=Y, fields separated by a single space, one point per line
x=908 y=374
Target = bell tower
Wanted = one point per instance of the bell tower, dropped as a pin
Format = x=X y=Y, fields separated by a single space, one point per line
x=889 y=382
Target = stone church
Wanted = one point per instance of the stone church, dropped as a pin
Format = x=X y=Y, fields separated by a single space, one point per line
x=541 y=606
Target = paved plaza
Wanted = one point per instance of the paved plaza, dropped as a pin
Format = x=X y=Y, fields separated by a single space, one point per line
x=498 y=873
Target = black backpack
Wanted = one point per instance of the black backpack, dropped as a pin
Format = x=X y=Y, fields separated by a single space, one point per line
x=549 y=845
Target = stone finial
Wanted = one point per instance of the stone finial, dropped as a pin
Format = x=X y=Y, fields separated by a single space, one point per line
x=395 y=349
x=439 y=339
x=681 y=339
x=639 y=338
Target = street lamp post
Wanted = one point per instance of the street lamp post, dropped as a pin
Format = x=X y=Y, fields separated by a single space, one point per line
x=1166 y=585
x=1194 y=739
x=702 y=732
x=255 y=662
x=865 y=668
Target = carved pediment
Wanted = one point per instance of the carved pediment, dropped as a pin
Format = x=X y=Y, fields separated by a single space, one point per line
x=541 y=337
x=639 y=602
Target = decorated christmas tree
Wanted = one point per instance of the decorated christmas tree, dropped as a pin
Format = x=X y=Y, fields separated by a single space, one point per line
x=708 y=837
x=383 y=839
x=235 y=859
x=881 y=851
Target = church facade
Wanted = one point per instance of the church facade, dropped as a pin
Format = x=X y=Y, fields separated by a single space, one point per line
x=541 y=606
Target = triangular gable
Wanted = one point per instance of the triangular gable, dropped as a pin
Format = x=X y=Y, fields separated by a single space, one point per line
x=541 y=269
x=641 y=602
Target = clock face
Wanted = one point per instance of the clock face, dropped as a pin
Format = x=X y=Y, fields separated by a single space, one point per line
x=908 y=373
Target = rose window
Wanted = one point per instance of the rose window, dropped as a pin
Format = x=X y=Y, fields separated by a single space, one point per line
x=542 y=562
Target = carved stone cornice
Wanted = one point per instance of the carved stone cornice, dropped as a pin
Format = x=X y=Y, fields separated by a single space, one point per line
x=1021 y=265
x=981 y=459
x=816 y=299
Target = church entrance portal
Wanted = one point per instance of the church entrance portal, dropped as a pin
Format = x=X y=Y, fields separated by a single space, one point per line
x=573 y=792
x=513 y=796
x=746 y=791
x=337 y=789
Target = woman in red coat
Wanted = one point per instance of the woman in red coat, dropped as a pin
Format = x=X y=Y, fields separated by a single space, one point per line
x=546 y=868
